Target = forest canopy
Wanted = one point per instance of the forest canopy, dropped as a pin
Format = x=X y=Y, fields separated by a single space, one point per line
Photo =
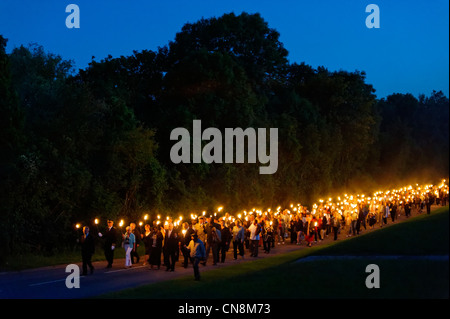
x=95 y=142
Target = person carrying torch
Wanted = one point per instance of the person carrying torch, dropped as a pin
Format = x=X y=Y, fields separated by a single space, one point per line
x=109 y=244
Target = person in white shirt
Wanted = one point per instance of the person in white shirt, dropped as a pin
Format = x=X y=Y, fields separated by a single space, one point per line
x=254 y=229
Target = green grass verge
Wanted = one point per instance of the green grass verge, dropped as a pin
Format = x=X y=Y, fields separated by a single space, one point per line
x=280 y=277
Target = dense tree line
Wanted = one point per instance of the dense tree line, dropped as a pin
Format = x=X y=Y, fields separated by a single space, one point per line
x=95 y=142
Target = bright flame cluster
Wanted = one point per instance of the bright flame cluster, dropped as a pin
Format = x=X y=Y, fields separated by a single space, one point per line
x=345 y=203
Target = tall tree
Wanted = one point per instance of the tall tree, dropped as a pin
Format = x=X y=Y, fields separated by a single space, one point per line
x=12 y=139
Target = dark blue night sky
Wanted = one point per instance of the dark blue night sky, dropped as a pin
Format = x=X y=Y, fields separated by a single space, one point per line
x=409 y=53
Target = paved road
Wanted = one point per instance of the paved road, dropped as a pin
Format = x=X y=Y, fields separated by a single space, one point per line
x=50 y=282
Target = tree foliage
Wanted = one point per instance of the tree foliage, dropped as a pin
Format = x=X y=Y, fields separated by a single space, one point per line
x=95 y=143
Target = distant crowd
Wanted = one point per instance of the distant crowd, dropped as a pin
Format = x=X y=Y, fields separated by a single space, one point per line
x=208 y=239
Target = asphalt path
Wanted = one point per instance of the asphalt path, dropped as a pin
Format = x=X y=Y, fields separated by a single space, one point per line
x=50 y=282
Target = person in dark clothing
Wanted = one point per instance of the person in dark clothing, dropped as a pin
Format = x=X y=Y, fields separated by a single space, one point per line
x=87 y=250
x=238 y=233
x=226 y=238
x=210 y=244
x=110 y=239
x=428 y=202
x=335 y=222
x=394 y=211
x=156 y=247
x=267 y=234
x=275 y=227
x=146 y=239
x=171 y=245
x=292 y=229
x=360 y=219
x=365 y=210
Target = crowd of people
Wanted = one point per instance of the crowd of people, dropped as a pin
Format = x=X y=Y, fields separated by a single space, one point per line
x=208 y=239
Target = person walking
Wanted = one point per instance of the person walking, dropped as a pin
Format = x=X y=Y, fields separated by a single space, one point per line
x=387 y=210
x=129 y=244
x=292 y=230
x=209 y=244
x=275 y=224
x=365 y=210
x=267 y=236
x=87 y=250
x=323 y=228
x=215 y=242
x=309 y=231
x=254 y=229
x=226 y=238
x=315 y=225
x=110 y=240
x=381 y=209
x=146 y=239
x=238 y=239
x=185 y=239
x=348 y=222
x=156 y=246
x=428 y=202
x=281 y=229
x=197 y=253
x=200 y=229
x=328 y=223
x=393 y=211
x=336 y=221
x=137 y=237
x=171 y=246
x=360 y=219
x=354 y=222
